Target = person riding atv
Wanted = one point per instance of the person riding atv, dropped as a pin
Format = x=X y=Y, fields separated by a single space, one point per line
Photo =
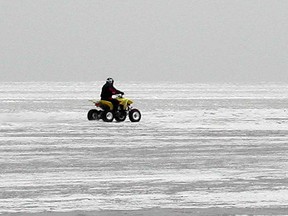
x=108 y=90
x=109 y=108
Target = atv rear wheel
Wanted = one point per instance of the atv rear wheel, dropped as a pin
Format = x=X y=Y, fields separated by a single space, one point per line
x=93 y=115
x=134 y=115
x=108 y=116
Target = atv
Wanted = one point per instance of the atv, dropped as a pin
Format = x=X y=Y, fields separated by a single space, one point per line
x=104 y=110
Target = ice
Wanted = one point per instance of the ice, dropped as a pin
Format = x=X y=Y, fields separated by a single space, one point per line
x=196 y=146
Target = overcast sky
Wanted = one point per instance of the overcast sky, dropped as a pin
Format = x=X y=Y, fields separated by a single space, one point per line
x=181 y=40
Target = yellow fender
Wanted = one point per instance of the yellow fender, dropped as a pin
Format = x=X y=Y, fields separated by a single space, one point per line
x=124 y=102
x=102 y=103
x=106 y=103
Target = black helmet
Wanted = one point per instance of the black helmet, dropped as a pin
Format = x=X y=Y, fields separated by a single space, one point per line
x=110 y=80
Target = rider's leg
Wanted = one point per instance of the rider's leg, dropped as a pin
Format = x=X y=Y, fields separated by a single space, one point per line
x=115 y=104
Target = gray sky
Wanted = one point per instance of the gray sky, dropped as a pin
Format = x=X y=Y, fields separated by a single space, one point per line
x=181 y=40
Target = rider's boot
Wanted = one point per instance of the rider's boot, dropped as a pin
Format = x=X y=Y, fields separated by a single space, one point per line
x=116 y=110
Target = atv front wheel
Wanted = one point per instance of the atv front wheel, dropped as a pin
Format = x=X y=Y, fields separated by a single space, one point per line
x=134 y=115
x=120 y=116
x=92 y=115
x=108 y=116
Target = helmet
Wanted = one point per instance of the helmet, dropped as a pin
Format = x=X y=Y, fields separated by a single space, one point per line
x=110 y=80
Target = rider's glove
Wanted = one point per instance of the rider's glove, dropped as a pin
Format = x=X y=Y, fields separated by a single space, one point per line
x=122 y=93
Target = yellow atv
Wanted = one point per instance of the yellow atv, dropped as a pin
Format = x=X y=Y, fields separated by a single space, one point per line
x=104 y=110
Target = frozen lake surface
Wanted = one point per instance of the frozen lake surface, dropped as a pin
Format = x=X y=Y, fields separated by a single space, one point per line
x=196 y=146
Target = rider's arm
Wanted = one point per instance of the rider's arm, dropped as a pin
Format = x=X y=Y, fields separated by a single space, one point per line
x=116 y=91
x=120 y=92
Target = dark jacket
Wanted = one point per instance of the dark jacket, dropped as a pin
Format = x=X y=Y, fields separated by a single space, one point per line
x=108 y=90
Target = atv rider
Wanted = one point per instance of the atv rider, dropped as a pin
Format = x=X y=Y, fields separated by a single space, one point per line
x=108 y=90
